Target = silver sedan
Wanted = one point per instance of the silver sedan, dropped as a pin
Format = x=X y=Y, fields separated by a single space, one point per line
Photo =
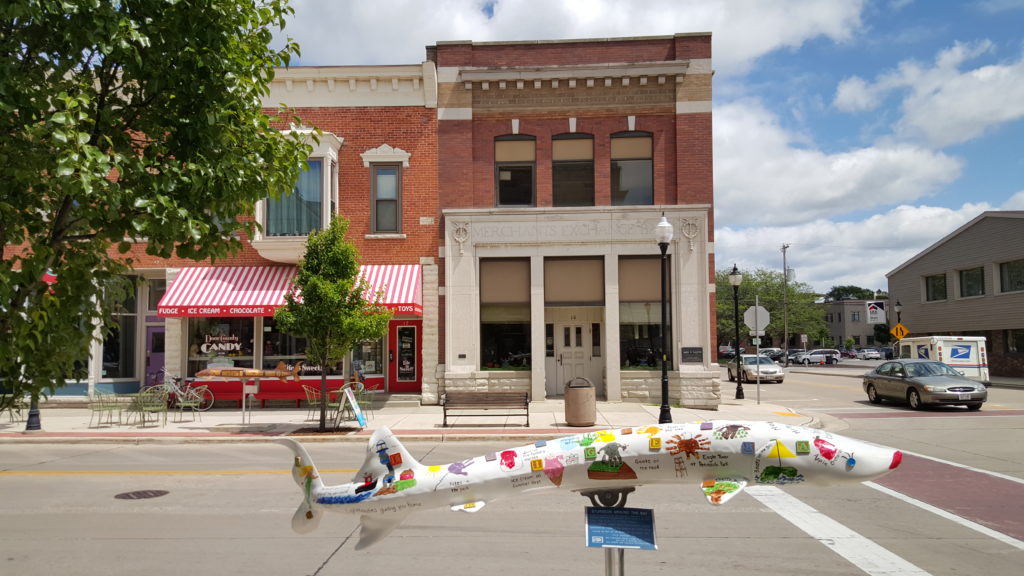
x=921 y=383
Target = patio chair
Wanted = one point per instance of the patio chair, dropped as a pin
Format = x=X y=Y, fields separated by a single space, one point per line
x=313 y=401
x=152 y=401
x=103 y=405
x=364 y=398
x=189 y=398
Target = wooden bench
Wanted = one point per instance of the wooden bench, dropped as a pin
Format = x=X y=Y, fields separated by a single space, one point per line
x=476 y=401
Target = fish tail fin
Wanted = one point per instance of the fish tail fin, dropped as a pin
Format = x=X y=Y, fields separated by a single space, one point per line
x=296 y=370
x=281 y=366
x=304 y=472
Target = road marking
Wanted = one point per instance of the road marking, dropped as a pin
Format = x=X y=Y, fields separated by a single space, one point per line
x=162 y=472
x=856 y=549
x=950 y=516
x=965 y=467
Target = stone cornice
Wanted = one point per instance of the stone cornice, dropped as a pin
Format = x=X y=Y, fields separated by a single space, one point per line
x=575 y=72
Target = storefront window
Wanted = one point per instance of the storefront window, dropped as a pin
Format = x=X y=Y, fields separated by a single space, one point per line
x=368 y=358
x=219 y=342
x=119 y=344
x=505 y=337
x=280 y=347
x=640 y=336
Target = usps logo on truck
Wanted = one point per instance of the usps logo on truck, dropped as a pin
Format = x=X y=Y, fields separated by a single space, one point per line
x=922 y=351
x=960 y=353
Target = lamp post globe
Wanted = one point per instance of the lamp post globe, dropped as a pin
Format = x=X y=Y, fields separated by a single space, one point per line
x=663 y=236
x=735 y=279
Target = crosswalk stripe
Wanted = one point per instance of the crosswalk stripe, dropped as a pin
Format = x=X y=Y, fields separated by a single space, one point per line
x=856 y=549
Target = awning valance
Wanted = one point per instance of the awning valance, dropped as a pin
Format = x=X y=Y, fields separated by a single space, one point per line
x=210 y=291
x=400 y=284
x=227 y=291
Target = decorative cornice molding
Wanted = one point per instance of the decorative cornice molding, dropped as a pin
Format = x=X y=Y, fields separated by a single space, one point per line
x=385 y=153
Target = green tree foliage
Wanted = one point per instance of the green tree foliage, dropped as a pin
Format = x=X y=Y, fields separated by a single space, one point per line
x=856 y=292
x=329 y=306
x=768 y=285
x=121 y=122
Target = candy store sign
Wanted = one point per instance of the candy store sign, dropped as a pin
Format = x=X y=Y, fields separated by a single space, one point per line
x=226 y=343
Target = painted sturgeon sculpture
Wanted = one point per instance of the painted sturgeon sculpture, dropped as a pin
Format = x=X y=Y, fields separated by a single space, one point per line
x=720 y=457
x=281 y=372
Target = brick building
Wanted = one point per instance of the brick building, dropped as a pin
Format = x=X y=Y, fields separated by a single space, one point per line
x=557 y=160
x=506 y=195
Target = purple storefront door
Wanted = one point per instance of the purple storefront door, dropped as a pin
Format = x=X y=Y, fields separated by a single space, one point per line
x=154 y=352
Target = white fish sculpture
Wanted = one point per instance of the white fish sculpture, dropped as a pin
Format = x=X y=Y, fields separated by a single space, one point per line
x=720 y=457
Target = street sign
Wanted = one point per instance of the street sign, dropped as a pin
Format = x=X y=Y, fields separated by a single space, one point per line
x=756 y=318
x=899 y=331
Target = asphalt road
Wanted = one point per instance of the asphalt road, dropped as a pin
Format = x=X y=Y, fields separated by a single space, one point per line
x=955 y=507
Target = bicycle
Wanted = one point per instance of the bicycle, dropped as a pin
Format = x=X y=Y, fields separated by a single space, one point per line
x=176 y=388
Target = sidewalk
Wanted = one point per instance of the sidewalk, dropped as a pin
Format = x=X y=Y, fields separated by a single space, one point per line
x=547 y=420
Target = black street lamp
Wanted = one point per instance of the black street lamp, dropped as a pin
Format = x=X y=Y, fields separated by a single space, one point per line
x=663 y=235
x=735 y=278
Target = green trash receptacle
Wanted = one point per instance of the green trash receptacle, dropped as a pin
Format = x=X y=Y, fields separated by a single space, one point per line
x=580 y=402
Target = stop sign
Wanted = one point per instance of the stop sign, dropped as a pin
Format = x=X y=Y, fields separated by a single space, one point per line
x=756 y=318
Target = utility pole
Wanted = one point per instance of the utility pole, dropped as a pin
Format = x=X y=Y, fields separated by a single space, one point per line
x=785 y=304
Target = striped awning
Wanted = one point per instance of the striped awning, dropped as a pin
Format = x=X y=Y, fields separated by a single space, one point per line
x=259 y=290
x=400 y=284
x=227 y=291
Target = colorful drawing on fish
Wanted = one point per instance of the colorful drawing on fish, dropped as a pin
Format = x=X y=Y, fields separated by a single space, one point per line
x=731 y=432
x=715 y=491
x=780 y=475
x=611 y=466
x=827 y=449
x=587 y=439
x=554 y=469
x=689 y=446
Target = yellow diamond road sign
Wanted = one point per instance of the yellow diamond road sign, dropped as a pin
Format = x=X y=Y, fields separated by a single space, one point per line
x=899 y=331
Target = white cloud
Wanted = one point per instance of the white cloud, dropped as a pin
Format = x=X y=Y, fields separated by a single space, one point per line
x=1015 y=202
x=860 y=253
x=943 y=105
x=397 y=31
x=763 y=176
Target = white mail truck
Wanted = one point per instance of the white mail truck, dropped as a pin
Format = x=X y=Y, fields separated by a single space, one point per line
x=965 y=354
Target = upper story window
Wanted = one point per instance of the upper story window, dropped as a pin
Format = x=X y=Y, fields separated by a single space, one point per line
x=515 y=162
x=302 y=211
x=1011 y=276
x=386 y=186
x=386 y=164
x=632 y=177
x=313 y=201
x=935 y=287
x=572 y=170
x=972 y=282
x=854 y=316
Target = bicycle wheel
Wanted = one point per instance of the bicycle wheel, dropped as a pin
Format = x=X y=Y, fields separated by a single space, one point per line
x=206 y=398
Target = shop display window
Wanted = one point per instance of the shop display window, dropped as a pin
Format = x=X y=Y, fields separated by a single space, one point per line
x=505 y=337
x=281 y=347
x=220 y=342
x=119 y=343
x=640 y=336
x=368 y=358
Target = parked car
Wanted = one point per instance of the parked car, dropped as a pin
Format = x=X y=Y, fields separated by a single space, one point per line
x=869 y=354
x=752 y=365
x=794 y=352
x=725 y=352
x=887 y=352
x=774 y=353
x=848 y=353
x=817 y=356
x=922 y=382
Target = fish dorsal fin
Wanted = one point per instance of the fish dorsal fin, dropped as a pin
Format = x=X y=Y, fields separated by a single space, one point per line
x=384 y=455
x=373 y=528
x=281 y=365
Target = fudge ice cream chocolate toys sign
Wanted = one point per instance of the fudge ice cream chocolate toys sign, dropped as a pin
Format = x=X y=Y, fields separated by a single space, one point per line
x=720 y=458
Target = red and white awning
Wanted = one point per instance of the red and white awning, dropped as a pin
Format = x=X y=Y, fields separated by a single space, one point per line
x=227 y=291
x=400 y=284
x=259 y=290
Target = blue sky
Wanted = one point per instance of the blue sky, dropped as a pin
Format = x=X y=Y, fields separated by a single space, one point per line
x=858 y=132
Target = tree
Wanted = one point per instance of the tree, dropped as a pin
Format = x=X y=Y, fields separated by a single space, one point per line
x=855 y=292
x=329 y=305
x=124 y=126
x=768 y=285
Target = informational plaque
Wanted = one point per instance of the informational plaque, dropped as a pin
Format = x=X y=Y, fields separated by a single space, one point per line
x=631 y=528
